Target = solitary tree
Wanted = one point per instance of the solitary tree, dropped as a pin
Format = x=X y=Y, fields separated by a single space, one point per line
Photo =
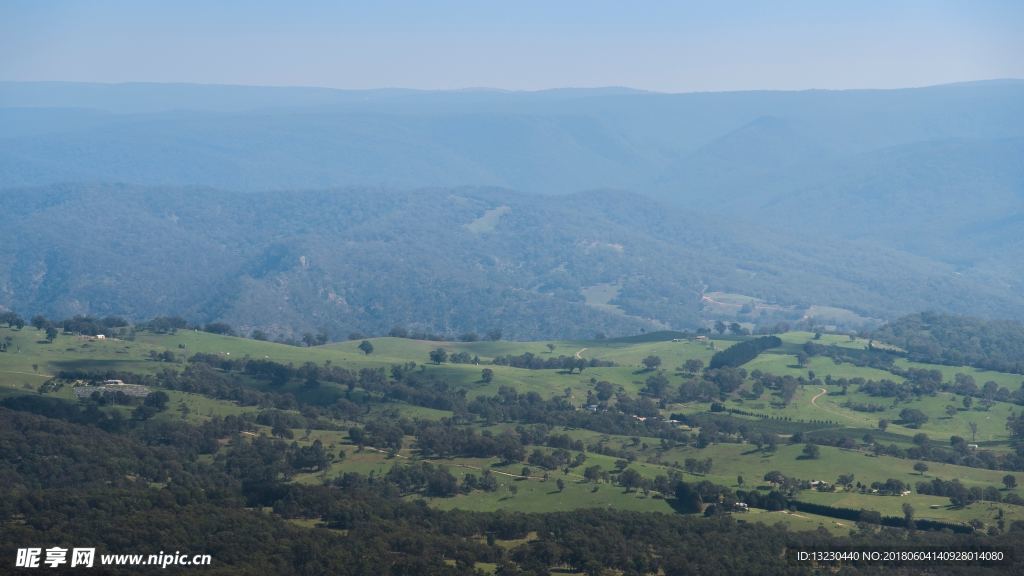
x=920 y=468
x=630 y=479
x=51 y=333
x=438 y=356
x=1010 y=481
x=560 y=484
x=651 y=362
x=757 y=389
x=883 y=424
x=592 y=473
x=974 y=430
x=908 y=515
x=551 y=347
x=157 y=400
x=912 y=417
x=693 y=365
x=366 y=347
x=486 y=375
x=811 y=451
x=688 y=499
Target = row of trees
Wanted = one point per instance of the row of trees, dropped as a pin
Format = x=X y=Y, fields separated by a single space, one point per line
x=743 y=352
x=533 y=361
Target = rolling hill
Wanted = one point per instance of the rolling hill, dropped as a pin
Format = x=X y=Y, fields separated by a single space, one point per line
x=443 y=260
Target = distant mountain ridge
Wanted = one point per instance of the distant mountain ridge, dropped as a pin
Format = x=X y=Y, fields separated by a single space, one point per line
x=812 y=197
x=559 y=141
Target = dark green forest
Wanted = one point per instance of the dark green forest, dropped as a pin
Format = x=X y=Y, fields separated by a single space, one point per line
x=446 y=261
x=956 y=340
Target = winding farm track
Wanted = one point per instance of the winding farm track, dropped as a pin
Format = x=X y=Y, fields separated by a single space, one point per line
x=814 y=402
x=580 y=351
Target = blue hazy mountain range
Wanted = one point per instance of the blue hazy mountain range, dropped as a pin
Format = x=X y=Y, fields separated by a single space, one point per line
x=929 y=181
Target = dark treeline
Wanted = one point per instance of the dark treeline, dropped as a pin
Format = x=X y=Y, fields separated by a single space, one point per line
x=742 y=352
x=872 y=517
x=536 y=362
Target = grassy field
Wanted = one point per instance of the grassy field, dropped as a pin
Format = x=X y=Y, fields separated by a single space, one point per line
x=796 y=520
x=541 y=496
x=30 y=361
x=925 y=507
x=732 y=460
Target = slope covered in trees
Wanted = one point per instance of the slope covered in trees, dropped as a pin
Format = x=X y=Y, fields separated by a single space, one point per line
x=448 y=261
x=948 y=339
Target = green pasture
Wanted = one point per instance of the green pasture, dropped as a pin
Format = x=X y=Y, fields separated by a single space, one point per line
x=732 y=460
x=30 y=361
x=544 y=496
x=925 y=507
x=797 y=521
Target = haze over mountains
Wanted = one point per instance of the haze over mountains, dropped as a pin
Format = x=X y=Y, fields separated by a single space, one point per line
x=142 y=198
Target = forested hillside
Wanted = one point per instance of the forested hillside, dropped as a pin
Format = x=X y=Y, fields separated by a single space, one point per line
x=880 y=202
x=450 y=261
x=948 y=339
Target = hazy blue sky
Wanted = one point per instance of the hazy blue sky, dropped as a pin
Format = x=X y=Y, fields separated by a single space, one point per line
x=668 y=46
